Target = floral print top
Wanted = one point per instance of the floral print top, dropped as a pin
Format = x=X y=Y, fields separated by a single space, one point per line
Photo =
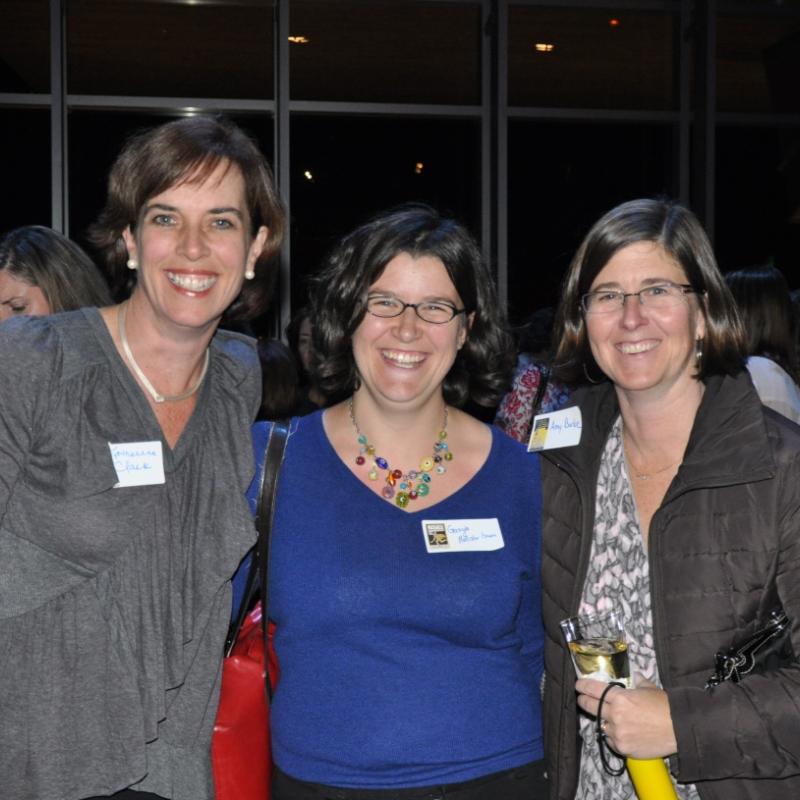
x=515 y=413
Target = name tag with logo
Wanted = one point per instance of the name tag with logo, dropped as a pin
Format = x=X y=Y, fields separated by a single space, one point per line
x=556 y=429
x=137 y=463
x=461 y=535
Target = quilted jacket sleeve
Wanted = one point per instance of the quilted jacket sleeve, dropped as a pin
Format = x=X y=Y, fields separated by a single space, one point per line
x=752 y=729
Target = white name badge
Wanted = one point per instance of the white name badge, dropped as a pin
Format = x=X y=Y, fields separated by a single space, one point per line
x=138 y=463
x=556 y=429
x=461 y=535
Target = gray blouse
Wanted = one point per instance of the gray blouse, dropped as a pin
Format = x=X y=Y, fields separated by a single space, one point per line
x=618 y=578
x=113 y=601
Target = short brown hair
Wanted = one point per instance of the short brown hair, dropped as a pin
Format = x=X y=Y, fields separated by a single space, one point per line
x=676 y=229
x=189 y=150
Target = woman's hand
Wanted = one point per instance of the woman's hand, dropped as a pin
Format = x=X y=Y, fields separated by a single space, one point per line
x=638 y=722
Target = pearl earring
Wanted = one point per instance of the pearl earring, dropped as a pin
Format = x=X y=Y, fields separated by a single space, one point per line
x=249 y=274
x=132 y=263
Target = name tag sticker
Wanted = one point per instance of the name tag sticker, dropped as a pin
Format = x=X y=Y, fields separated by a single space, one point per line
x=461 y=535
x=138 y=463
x=556 y=429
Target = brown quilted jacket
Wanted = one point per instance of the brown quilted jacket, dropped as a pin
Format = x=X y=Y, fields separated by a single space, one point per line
x=724 y=550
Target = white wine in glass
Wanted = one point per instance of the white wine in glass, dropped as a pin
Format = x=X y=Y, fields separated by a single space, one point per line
x=598 y=647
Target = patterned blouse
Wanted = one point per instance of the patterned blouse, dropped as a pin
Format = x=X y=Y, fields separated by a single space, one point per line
x=515 y=413
x=618 y=578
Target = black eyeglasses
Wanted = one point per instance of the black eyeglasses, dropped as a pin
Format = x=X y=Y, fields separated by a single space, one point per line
x=660 y=295
x=436 y=312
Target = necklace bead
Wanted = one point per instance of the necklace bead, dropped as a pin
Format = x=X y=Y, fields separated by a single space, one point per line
x=402 y=487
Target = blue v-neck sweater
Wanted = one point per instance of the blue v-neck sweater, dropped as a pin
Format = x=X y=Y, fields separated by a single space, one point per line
x=399 y=667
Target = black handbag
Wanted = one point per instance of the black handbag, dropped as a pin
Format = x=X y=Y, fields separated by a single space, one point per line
x=768 y=648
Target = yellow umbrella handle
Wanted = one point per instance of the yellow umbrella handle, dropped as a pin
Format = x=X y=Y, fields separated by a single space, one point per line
x=650 y=778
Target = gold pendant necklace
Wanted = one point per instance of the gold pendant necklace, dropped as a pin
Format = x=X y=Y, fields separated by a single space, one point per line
x=149 y=388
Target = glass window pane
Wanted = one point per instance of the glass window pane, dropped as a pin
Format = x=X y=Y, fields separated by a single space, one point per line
x=591 y=58
x=25 y=46
x=168 y=49
x=25 y=167
x=758 y=63
x=562 y=178
x=395 y=52
x=95 y=139
x=347 y=169
x=758 y=199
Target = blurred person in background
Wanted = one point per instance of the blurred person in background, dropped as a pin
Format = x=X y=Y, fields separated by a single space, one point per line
x=300 y=335
x=533 y=388
x=770 y=324
x=43 y=272
x=281 y=395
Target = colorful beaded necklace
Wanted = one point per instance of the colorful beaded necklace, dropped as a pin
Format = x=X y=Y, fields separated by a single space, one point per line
x=403 y=486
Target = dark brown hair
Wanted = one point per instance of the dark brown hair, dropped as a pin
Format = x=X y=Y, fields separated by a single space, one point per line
x=679 y=233
x=280 y=395
x=482 y=368
x=765 y=305
x=189 y=150
x=66 y=275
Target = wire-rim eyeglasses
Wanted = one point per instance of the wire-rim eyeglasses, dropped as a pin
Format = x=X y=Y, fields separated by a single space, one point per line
x=659 y=295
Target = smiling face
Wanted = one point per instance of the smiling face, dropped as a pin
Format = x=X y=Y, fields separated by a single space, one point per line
x=640 y=348
x=17 y=298
x=193 y=246
x=404 y=360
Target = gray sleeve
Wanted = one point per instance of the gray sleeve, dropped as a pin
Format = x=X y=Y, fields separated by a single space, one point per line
x=29 y=363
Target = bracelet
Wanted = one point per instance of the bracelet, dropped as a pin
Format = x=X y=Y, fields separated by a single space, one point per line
x=602 y=742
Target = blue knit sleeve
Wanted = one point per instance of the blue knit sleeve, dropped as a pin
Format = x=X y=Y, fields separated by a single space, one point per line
x=524 y=512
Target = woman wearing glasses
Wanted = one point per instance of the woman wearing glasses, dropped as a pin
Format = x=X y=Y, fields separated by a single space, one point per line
x=405 y=554
x=680 y=508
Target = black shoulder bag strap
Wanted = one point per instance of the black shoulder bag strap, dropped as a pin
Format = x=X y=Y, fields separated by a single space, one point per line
x=544 y=381
x=259 y=568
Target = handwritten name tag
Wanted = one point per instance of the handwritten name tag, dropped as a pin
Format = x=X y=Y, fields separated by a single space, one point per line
x=138 y=463
x=556 y=429
x=461 y=535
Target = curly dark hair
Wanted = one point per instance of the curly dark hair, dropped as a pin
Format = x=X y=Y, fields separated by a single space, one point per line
x=482 y=368
x=676 y=229
x=189 y=150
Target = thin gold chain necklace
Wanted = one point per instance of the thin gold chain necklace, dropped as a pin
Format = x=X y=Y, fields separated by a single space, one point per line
x=635 y=471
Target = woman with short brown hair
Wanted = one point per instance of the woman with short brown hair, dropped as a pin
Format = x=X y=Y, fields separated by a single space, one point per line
x=124 y=456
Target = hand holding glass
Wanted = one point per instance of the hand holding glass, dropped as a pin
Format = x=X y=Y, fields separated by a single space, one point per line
x=598 y=648
x=599 y=651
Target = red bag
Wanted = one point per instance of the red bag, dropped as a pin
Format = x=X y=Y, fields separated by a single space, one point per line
x=241 y=756
x=240 y=748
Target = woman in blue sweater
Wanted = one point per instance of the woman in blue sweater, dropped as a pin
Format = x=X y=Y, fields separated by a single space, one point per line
x=405 y=555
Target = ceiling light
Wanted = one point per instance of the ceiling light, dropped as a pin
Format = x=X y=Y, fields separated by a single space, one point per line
x=308 y=175
x=418 y=167
x=544 y=47
x=299 y=39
